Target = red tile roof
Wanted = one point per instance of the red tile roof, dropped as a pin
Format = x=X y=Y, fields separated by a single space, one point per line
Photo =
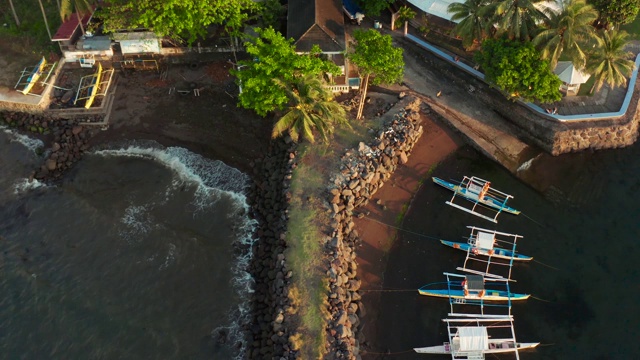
x=66 y=30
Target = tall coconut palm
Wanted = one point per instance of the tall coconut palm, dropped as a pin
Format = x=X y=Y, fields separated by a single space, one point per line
x=568 y=30
x=15 y=15
x=516 y=19
x=608 y=61
x=473 y=23
x=80 y=7
x=311 y=107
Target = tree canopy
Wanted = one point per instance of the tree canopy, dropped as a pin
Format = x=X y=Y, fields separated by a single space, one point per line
x=517 y=69
x=375 y=55
x=609 y=62
x=616 y=12
x=188 y=19
x=275 y=62
x=374 y=7
x=569 y=30
x=311 y=107
x=473 y=23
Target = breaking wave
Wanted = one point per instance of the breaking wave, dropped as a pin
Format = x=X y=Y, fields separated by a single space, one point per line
x=30 y=143
x=211 y=178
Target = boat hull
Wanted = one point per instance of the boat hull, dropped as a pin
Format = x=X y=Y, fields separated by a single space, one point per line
x=487 y=201
x=495 y=347
x=490 y=295
x=498 y=253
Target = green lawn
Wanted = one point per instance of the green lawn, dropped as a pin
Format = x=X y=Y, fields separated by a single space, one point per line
x=633 y=29
x=32 y=33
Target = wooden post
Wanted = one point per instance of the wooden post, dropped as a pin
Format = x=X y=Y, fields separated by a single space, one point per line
x=362 y=97
x=46 y=23
x=15 y=16
x=406 y=28
x=394 y=16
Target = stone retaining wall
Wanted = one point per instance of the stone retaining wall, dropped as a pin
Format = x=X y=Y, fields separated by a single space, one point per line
x=553 y=136
x=69 y=141
x=268 y=332
x=363 y=171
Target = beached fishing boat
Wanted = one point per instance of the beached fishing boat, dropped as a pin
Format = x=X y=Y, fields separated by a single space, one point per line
x=474 y=338
x=489 y=243
x=480 y=193
x=472 y=288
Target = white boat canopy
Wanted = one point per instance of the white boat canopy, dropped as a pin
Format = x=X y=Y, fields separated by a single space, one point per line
x=485 y=240
x=473 y=338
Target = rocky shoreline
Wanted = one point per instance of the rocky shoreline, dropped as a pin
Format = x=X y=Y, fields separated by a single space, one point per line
x=68 y=140
x=363 y=171
x=267 y=333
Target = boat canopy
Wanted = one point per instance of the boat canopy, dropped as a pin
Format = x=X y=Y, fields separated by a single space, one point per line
x=473 y=338
x=475 y=282
x=485 y=240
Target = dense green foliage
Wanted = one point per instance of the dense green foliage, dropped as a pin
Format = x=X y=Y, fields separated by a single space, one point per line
x=374 y=7
x=517 y=69
x=405 y=13
x=616 y=12
x=68 y=7
x=311 y=108
x=375 y=55
x=609 y=62
x=473 y=23
x=516 y=19
x=568 y=32
x=188 y=19
x=275 y=62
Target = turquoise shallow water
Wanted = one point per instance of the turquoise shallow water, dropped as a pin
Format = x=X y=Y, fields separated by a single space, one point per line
x=583 y=232
x=135 y=255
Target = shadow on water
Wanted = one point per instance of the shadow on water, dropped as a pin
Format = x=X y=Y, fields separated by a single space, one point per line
x=579 y=222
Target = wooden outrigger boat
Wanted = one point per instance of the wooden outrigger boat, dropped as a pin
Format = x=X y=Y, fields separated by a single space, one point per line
x=479 y=192
x=490 y=243
x=473 y=288
x=473 y=339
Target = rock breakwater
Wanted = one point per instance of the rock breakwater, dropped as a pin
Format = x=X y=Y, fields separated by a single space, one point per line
x=67 y=138
x=268 y=332
x=362 y=172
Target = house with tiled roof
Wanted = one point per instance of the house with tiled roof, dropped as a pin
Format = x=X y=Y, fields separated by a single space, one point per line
x=321 y=22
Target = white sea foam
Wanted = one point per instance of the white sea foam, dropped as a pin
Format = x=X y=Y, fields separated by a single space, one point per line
x=212 y=179
x=30 y=143
x=527 y=164
x=137 y=222
x=24 y=185
x=170 y=258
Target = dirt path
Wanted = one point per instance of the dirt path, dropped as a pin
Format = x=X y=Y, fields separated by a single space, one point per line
x=437 y=142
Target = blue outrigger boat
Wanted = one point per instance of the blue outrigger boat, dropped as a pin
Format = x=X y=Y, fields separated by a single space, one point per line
x=479 y=192
x=473 y=288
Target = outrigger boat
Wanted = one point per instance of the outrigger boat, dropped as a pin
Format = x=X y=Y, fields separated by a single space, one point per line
x=473 y=339
x=488 y=243
x=479 y=192
x=473 y=288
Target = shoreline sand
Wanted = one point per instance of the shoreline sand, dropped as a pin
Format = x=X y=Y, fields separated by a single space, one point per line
x=391 y=202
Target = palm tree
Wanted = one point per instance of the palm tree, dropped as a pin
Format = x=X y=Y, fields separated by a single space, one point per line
x=403 y=16
x=516 y=18
x=311 y=107
x=568 y=30
x=473 y=22
x=15 y=15
x=608 y=61
x=80 y=7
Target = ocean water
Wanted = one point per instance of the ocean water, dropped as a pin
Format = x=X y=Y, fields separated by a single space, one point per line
x=583 y=231
x=138 y=254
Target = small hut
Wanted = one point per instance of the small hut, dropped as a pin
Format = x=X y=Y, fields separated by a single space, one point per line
x=571 y=77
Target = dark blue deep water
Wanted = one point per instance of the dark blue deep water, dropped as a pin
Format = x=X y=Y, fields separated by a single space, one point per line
x=581 y=222
x=137 y=254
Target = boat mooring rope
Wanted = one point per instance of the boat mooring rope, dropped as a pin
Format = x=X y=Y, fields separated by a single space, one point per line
x=537 y=298
x=435 y=238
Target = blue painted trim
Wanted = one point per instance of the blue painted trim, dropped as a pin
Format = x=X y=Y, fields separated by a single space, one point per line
x=536 y=108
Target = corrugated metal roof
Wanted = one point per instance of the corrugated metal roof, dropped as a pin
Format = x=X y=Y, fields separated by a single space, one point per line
x=66 y=30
